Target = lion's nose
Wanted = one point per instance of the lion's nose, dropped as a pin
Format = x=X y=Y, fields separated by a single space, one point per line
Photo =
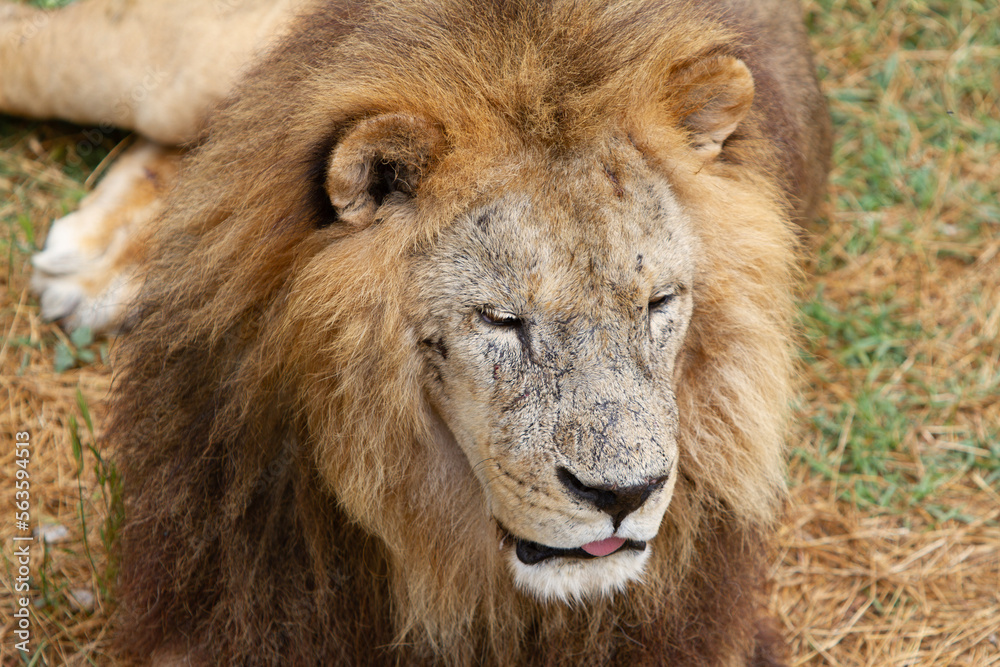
x=617 y=501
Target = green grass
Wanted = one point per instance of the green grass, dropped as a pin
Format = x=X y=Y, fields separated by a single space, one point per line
x=912 y=87
x=875 y=344
x=111 y=505
x=907 y=111
x=50 y=4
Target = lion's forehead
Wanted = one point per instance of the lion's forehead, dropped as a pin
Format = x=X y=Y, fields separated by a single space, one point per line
x=591 y=240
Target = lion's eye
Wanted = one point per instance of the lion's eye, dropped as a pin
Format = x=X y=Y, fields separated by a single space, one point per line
x=498 y=318
x=659 y=301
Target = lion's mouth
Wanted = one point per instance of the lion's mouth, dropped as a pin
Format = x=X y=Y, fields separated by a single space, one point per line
x=532 y=553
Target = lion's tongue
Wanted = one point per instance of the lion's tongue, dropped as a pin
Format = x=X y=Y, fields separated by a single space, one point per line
x=603 y=547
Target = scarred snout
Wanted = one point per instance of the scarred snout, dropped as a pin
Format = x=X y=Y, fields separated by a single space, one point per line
x=610 y=476
x=616 y=438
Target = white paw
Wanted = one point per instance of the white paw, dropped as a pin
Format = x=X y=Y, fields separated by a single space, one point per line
x=74 y=306
x=85 y=275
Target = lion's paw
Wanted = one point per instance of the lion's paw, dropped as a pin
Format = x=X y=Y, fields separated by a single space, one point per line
x=96 y=301
x=85 y=274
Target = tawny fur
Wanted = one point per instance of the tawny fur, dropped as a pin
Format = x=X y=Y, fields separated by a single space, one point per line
x=154 y=67
x=290 y=496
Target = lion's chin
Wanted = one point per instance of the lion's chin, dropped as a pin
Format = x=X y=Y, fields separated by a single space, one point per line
x=572 y=579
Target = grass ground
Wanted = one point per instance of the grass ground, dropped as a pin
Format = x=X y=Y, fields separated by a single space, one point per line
x=890 y=554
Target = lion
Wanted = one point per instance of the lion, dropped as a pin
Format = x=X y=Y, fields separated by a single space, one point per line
x=466 y=338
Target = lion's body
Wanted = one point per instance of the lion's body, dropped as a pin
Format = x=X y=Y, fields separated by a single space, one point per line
x=443 y=277
x=155 y=67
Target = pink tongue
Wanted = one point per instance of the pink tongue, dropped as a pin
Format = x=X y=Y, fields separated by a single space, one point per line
x=604 y=547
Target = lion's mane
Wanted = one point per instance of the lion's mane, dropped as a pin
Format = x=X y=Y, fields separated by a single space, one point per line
x=288 y=501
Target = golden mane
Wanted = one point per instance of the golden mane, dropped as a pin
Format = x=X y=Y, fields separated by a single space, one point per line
x=288 y=497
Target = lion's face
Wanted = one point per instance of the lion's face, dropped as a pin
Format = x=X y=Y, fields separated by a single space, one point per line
x=554 y=314
x=548 y=308
x=540 y=272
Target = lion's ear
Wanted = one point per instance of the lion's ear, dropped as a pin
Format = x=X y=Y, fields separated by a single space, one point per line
x=381 y=160
x=718 y=94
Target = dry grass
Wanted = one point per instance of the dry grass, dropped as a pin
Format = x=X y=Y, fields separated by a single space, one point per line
x=69 y=574
x=891 y=550
x=890 y=554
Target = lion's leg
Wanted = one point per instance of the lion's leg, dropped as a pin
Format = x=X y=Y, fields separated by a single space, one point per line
x=85 y=276
x=153 y=66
